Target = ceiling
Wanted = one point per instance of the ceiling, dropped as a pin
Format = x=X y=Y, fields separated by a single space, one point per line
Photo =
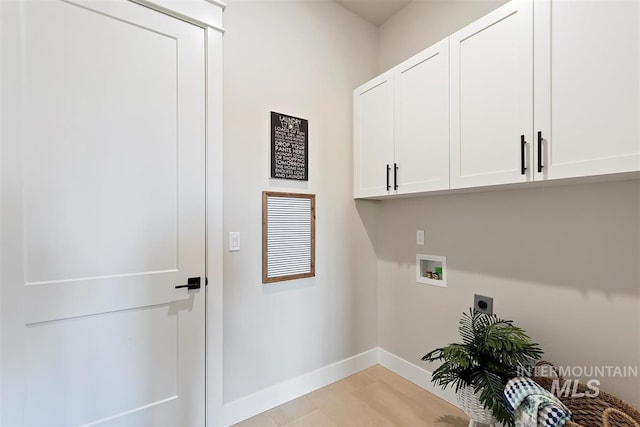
x=374 y=11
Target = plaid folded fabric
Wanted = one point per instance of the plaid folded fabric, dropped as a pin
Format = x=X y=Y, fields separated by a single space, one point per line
x=533 y=406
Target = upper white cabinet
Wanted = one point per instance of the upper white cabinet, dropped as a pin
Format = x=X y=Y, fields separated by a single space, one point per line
x=421 y=123
x=535 y=90
x=401 y=134
x=373 y=136
x=492 y=98
x=570 y=108
x=587 y=87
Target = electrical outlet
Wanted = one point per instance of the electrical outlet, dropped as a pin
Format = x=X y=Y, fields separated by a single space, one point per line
x=419 y=237
x=483 y=304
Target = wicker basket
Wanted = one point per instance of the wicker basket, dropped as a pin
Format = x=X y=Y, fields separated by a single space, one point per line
x=604 y=410
x=470 y=404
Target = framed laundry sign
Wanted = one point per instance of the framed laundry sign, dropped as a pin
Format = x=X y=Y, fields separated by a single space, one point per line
x=288 y=236
x=289 y=147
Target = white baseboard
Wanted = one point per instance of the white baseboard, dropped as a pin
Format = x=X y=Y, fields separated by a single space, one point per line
x=417 y=375
x=263 y=400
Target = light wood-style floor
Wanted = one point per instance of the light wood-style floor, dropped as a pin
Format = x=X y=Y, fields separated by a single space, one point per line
x=373 y=397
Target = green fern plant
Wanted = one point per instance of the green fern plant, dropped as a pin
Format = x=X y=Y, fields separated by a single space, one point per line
x=492 y=351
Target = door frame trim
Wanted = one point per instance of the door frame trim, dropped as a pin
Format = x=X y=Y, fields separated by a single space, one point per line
x=203 y=13
x=214 y=234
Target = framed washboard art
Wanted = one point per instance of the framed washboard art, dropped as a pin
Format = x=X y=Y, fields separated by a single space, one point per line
x=288 y=236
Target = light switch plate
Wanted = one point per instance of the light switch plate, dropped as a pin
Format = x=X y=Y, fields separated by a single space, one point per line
x=234 y=241
x=419 y=237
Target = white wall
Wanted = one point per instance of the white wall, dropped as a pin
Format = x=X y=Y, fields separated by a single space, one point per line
x=302 y=59
x=563 y=262
x=422 y=23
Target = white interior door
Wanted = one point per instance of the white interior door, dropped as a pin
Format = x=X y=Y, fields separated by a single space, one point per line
x=102 y=215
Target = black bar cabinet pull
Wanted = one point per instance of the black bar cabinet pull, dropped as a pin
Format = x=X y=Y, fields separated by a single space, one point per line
x=540 y=166
x=192 y=283
x=388 y=185
x=395 y=176
x=523 y=143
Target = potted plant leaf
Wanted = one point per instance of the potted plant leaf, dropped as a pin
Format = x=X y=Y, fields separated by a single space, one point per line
x=492 y=351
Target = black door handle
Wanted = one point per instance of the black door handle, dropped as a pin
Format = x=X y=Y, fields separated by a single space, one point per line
x=395 y=176
x=523 y=144
x=388 y=185
x=540 y=165
x=192 y=283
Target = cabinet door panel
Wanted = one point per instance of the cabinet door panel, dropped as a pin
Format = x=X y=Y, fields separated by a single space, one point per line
x=588 y=87
x=422 y=120
x=492 y=97
x=373 y=136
